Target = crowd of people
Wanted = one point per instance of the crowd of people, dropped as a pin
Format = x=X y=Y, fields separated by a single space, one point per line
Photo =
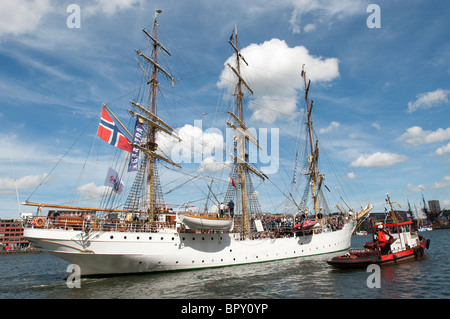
x=281 y=226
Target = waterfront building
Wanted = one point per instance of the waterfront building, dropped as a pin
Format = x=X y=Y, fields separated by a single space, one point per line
x=11 y=234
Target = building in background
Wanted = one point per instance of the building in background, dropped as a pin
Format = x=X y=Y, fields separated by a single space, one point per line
x=434 y=206
x=11 y=235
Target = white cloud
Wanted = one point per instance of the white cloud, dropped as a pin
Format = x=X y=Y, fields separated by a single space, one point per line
x=416 y=136
x=333 y=125
x=378 y=160
x=210 y=164
x=92 y=192
x=326 y=10
x=195 y=144
x=376 y=125
x=443 y=150
x=352 y=175
x=110 y=7
x=309 y=27
x=22 y=16
x=415 y=189
x=429 y=99
x=273 y=74
x=25 y=16
x=24 y=182
x=443 y=183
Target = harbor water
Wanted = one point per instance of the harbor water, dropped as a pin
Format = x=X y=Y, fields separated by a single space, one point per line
x=41 y=276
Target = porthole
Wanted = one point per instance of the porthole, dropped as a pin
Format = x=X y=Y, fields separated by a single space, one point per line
x=112 y=237
x=162 y=238
x=212 y=238
x=137 y=237
x=173 y=238
x=150 y=238
x=124 y=237
x=183 y=238
x=203 y=238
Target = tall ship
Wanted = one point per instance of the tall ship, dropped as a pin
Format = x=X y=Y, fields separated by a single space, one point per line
x=145 y=234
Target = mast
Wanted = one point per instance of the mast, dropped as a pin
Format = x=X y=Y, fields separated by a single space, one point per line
x=242 y=153
x=394 y=217
x=243 y=135
x=314 y=157
x=151 y=135
x=154 y=198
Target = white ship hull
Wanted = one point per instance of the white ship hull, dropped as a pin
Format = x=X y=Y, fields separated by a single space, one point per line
x=104 y=253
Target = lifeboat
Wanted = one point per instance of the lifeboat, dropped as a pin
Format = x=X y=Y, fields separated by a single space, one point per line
x=207 y=222
x=306 y=224
x=392 y=243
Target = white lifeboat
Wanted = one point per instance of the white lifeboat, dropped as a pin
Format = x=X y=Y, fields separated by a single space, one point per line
x=207 y=222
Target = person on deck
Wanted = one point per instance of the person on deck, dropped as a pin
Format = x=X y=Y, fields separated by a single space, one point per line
x=231 y=207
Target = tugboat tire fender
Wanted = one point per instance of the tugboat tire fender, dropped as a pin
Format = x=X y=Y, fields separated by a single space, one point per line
x=421 y=251
x=428 y=244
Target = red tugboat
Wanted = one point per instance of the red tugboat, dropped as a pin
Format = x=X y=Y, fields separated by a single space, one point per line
x=392 y=243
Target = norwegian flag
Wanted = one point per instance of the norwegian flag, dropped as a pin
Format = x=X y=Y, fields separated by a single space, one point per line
x=109 y=132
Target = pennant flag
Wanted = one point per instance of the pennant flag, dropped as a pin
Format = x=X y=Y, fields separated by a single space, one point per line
x=295 y=168
x=231 y=36
x=112 y=180
x=110 y=133
x=137 y=138
x=303 y=70
x=233 y=183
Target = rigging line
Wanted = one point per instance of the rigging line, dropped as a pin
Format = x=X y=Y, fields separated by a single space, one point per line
x=14 y=175
x=62 y=157
x=82 y=170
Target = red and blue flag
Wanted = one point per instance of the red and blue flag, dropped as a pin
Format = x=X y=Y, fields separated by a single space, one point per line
x=110 y=133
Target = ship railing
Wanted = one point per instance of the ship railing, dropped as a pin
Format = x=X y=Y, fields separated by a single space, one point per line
x=96 y=224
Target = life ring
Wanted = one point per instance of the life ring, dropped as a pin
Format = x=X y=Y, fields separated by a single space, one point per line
x=40 y=222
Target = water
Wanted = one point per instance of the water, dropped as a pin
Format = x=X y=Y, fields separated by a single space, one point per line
x=41 y=276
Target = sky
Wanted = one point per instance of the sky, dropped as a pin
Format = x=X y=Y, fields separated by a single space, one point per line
x=380 y=81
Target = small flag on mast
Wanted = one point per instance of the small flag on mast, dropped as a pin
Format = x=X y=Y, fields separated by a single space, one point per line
x=137 y=138
x=112 y=180
x=110 y=133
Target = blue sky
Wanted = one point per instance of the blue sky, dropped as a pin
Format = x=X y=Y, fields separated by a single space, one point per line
x=381 y=94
